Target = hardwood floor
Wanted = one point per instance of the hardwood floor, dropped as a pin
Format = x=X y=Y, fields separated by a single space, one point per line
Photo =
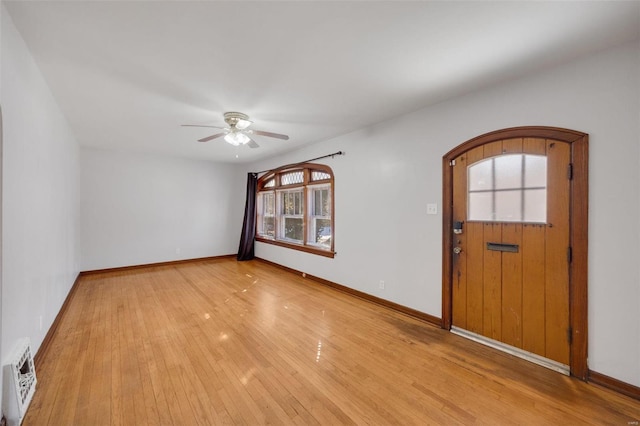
x=226 y=342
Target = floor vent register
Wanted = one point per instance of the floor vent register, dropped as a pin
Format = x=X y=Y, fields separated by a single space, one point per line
x=20 y=371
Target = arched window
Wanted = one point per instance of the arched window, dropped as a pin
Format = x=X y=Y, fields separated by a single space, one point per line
x=295 y=208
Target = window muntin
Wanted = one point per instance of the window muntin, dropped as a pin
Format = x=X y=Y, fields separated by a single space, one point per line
x=508 y=188
x=295 y=208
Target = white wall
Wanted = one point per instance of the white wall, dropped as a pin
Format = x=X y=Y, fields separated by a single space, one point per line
x=139 y=208
x=40 y=256
x=391 y=171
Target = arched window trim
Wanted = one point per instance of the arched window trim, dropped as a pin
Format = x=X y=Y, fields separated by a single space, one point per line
x=306 y=184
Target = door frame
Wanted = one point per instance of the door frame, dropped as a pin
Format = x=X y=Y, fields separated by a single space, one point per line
x=578 y=224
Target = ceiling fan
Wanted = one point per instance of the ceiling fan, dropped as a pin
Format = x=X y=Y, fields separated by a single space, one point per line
x=238 y=132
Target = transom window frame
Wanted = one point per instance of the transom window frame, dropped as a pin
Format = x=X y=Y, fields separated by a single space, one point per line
x=313 y=176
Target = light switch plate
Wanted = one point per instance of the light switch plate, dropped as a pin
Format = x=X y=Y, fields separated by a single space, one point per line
x=432 y=209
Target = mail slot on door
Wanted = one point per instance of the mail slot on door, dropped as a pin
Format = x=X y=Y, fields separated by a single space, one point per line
x=511 y=248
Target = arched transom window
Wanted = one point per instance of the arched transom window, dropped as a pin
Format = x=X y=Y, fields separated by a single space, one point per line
x=295 y=208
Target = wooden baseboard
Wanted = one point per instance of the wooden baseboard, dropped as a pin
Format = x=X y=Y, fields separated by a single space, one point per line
x=614 y=384
x=159 y=264
x=46 y=342
x=432 y=320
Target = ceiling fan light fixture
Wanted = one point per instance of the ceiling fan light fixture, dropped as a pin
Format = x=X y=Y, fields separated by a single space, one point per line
x=238 y=132
x=237 y=138
x=243 y=124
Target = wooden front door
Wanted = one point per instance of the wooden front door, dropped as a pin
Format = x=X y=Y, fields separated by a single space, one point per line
x=511 y=274
x=510 y=245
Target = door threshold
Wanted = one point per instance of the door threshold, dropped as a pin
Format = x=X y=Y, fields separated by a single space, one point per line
x=520 y=353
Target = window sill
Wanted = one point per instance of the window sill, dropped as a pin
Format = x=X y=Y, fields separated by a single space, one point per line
x=299 y=247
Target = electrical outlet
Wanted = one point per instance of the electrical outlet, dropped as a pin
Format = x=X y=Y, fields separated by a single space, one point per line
x=381 y=284
x=432 y=208
x=177 y=250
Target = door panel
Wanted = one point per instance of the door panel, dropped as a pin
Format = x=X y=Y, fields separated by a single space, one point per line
x=534 y=146
x=556 y=259
x=492 y=149
x=474 y=256
x=511 y=145
x=512 y=287
x=492 y=283
x=533 y=300
x=519 y=298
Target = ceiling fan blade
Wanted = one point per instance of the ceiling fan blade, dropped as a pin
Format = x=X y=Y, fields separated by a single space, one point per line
x=252 y=144
x=200 y=125
x=269 y=134
x=208 y=138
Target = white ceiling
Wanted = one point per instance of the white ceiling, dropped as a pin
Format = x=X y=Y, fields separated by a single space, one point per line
x=128 y=73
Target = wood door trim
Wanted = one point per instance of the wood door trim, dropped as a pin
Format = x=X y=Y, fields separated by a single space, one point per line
x=579 y=204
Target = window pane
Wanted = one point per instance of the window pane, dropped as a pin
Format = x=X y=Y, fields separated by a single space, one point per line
x=535 y=205
x=268 y=226
x=535 y=171
x=318 y=175
x=293 y=228
x=265 y=211
x=321 y=206
x=508 y=171
x=508 y=206
x=322 y=232
x=299 y=202
x=270 y=183
x=480 y=206
x=268 y=204
x=481 y=175
x=292 y=202
x=498 y=189
x=291 y=178
x=317 y=203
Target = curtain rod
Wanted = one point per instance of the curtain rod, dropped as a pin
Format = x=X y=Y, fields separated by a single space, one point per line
x=306 y=161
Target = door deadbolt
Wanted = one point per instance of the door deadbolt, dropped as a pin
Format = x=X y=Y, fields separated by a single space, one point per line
x=457 y=227
x=457 y=250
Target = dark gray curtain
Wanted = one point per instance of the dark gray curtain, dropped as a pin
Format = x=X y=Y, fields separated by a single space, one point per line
x=246 y=249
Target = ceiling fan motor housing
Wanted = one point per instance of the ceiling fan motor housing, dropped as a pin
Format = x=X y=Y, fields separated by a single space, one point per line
x=237 y=120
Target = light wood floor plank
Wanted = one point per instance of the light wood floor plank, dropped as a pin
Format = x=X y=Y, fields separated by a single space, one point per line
x=246 y=343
